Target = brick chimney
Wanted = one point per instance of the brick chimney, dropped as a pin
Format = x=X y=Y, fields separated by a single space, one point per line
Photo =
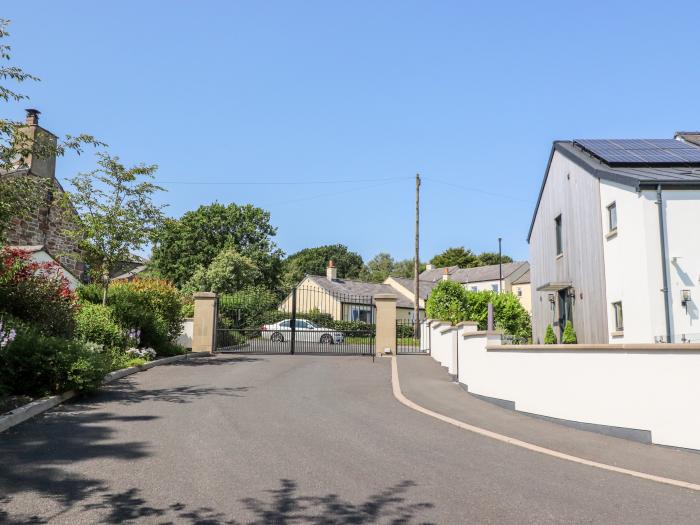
x=446 y=275
x=30 y=133
x=32 y=117
x=331 y=271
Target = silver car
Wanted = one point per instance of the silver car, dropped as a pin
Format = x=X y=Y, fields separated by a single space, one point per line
x=304 y=331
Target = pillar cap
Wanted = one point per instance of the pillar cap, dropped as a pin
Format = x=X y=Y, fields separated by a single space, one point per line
x=205 y=295
x=385 y=297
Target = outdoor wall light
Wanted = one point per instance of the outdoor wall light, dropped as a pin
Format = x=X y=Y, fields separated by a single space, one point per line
x=685 y=299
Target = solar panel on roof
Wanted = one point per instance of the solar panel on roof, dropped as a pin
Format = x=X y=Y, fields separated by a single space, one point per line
x=642 y=152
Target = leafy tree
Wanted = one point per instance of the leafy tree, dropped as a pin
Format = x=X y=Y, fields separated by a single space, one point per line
x=313 y=261
x=383 y=265
x=116 y=214
x=550 y=338
x=448 y=302
x=404 y=268
x=21 y=195
x=229 y=272
x=466 y=258
x=183 y=245
x=378 y=268
x=569 y=335
x=455 y=257
x=488 y=258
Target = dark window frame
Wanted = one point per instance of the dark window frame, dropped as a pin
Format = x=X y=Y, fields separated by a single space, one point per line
x=558 y=234
x=618 y=316
x=612 y=216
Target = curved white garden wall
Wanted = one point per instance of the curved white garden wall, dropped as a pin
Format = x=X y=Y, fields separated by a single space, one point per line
x=647 y=387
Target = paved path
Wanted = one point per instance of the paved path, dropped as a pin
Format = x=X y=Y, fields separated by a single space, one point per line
x=293 y=439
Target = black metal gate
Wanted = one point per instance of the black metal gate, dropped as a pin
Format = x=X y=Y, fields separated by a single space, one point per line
x=310 y=319
x=412 y=339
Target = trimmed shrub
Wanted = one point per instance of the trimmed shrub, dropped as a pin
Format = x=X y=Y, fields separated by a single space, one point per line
x=96 y=323
x=36 y=292
x=151 y=306
x=448 y=302
x=550 y=338
x=569 y=336
x=170 y=349
x=35 y=364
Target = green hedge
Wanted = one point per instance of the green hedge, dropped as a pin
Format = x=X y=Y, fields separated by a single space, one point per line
x=152 y=306
x=96 y=323
x=36 y=365
x=450 y=301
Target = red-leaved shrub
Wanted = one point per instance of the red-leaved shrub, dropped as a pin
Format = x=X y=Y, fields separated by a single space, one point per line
x=36 y=292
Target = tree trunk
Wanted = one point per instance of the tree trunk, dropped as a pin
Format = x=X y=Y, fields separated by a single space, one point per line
x=105 y=287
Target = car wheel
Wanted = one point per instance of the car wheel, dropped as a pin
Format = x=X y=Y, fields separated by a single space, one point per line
x=326 y=339
x=277 y=338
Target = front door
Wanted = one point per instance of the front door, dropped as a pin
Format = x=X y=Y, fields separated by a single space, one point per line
x=565 y=310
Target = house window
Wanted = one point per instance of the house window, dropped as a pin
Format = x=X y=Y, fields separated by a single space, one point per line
x=520 y=292
x=617 y=312
x=557 y=224
x=612 y=217
x=474 y=289
x=494 y=287
x=360 y=313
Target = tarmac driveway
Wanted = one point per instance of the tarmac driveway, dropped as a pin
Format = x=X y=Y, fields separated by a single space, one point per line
x=293 y=439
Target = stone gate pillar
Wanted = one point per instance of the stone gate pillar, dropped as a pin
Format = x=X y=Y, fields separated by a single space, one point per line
x=386 y=323
x=204 y=329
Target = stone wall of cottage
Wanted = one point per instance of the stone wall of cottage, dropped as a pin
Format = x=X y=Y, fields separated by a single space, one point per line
x=46 y=227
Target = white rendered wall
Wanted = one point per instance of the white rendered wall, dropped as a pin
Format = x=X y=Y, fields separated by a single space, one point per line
x=443 y=345
x=185 y=338
x=484 y=285
x=683 y=235
x=633 y=267
x=654 y=390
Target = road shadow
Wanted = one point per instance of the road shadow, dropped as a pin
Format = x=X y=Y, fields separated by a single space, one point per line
x=216 y=360
x=33 y=456
x=282 y=505
x=127 y=392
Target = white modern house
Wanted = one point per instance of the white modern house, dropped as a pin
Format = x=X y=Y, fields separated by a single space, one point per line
x=615 y=241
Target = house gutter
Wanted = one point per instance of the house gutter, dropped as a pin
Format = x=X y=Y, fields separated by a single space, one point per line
x=664 y=266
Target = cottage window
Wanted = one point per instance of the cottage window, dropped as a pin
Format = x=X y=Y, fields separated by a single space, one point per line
x=494 y=287
x=557 y=224
x=474 y=288
x=612 y=217
x=520 y=292
x=617 y=312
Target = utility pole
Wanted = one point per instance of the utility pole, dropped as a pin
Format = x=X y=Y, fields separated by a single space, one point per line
x=416 y=262
x=500 y=268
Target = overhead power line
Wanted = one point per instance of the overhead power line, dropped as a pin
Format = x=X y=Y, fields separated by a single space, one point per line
x=278 y=183
x=477 y=190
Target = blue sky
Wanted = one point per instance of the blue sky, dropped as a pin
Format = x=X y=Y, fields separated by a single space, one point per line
x=469 y=94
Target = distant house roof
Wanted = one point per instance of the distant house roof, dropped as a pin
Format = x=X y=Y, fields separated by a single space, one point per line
x=474 y=275
x=358 y=290
x=435 y=274
x=424 y=287
x=637 y=177
x=693 y=137
x=523 y=279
